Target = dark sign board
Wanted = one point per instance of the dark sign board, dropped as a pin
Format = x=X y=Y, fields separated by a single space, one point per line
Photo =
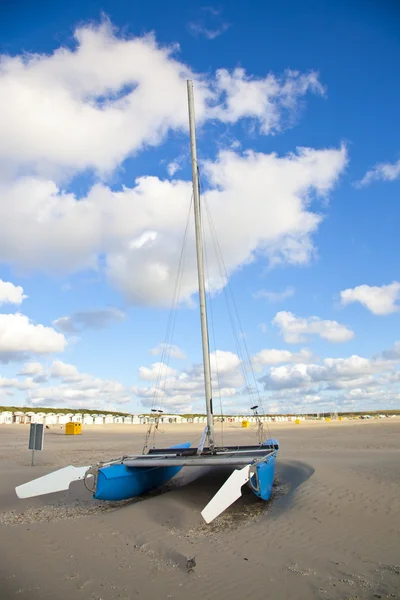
x=36 y=435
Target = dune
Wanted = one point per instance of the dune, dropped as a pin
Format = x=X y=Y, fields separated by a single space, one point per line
x=330 y=531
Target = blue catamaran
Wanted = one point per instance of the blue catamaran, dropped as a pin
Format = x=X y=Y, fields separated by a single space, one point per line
x=135 y=475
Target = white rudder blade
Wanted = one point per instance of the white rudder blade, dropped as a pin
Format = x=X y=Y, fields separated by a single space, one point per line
x=227 y=494
x=57 y=481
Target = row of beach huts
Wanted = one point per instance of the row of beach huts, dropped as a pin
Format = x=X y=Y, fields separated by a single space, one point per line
x=23 y=418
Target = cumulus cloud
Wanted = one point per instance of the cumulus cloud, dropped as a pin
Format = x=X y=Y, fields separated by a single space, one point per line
x=275 y=296
x=20 y=337
x=380 y=300
x=184 y=391
x=271 y=101
x=78 y=390
x=157 y=371
x=10 y=293
x=139 y=230
x=246 y=191
x=290 y=384
x=12 y=382
x=332 y=373
x=89 y=319
x=91 y=106
x=88 y=108
x=275 y=357
x=296 y=329
x=32 y=369
x=64 y=371
x=381 y=172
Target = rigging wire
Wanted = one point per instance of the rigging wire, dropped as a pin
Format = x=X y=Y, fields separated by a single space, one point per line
x=211 y=312
x=224 y=276
x=162 y=375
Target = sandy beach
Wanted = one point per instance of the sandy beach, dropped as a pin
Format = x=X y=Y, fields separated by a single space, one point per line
x=331 y=530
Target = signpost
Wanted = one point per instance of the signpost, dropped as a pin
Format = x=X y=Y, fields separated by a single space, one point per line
x=36 y=437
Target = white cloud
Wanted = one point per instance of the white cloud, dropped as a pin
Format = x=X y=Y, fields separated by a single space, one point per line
x=89 y=319
x=169 y=350
x=20 y=337
x=296 y=329
x=269 y=100
x=246 y=191
x=79 y=390
x=157 y=371
x=10 y=293
x=379 y=300
x=224 y=362
x=6 y=382
x=333 y=373
x=351 y=383
x=275 y=357
x=32 y=368
x=381 y=172
x=64 y=371
x=92 y=106
x=275 y=296
x=173 y=167
x=184 y=391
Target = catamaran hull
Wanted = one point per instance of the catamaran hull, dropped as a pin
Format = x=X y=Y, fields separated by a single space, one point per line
x=263 y=481
x=118 y=482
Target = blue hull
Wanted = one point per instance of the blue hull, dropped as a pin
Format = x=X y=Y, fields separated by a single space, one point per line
x=117 y=482
x=263 y=482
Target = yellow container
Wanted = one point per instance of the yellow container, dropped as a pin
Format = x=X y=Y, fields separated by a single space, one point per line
x=245 y=423
x=297 y=421
x=73 y=428
x=340 y=418
x=328 y=419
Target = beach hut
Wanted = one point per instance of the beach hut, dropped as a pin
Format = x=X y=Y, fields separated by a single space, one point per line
x=118 y=420
x=62 y=418
x=98 y=419
x=108 y=419
x=30 y=415
x=135 y=420
x=87 y=419
x=50 y=419
x=19 y=417
x=127 y=420
x=6 y=417
x=40 y=416
x=77 y=418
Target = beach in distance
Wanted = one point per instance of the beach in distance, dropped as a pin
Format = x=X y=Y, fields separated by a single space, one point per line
x=331 y=530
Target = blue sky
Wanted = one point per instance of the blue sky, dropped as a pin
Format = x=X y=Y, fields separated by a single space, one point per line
x=298 y=141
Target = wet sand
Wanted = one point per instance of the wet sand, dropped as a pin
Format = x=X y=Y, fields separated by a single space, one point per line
x=331 y=530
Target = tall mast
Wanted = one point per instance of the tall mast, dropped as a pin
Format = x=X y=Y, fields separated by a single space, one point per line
x=200 y=267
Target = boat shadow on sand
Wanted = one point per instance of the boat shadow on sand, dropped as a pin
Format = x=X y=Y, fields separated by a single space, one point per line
x=185 y=496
